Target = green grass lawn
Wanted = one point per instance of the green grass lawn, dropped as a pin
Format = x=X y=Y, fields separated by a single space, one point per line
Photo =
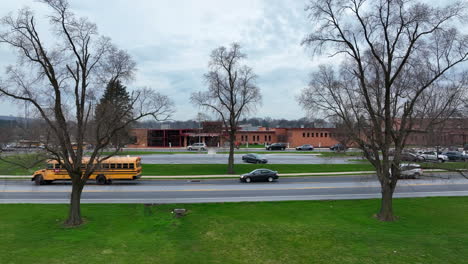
x=209 y=169
x=7 y=168
x=331 y=154
x=139 y=153
x=429 y=230
x=252 y=146
x=445 y=165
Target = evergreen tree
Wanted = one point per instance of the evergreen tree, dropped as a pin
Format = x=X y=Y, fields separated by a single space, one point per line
x=115 y=102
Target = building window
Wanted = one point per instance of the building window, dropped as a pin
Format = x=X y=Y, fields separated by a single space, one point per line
x=321 y=134
x=316 y=134
x=269 y=138
x=326 y=135
x=308 y=134
x=312 y=134
x=265 y=138
x=303 y=134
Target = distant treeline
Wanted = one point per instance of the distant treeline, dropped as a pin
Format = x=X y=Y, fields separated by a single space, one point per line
x=8 y=123
x=193 y=124
x=255 y=122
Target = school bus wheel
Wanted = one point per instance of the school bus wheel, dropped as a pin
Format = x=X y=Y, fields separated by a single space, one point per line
x=101 y=179
x=39 y=179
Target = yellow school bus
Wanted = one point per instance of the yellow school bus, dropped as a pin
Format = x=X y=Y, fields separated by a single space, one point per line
x=115 y=168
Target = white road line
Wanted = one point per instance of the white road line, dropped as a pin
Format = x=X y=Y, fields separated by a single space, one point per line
x=236 y=188
x=238 y=199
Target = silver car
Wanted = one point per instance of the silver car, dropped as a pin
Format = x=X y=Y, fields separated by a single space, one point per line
x=197 y=146
x=410 y=170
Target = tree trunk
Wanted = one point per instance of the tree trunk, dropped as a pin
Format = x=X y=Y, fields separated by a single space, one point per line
x=232 y=137
x=386 y=207
x=74 y=215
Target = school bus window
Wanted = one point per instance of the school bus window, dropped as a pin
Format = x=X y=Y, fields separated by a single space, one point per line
x=57 y=166
x=125 y=166
x=50 y=166
x=112 y=166
x=119 y=166
x=132 y=166
x=105 y=166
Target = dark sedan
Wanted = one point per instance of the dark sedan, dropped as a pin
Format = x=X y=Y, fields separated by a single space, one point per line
x=305 y=147
x=254 y=158
x=276 y=146
x=455 y=155
x=259 y=175
x=338 y=147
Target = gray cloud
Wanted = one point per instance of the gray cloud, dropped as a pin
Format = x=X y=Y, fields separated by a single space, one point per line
x=171 y=42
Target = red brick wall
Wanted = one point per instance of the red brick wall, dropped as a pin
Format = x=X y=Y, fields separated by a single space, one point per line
x=141 y=135
x=315 y=137
x=256 y=137
x=294 y=136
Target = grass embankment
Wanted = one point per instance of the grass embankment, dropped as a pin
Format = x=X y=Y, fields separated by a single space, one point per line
x=252 y=146
x=211 y=169
x=445 y=165
x=429 y=230
x=331 y=154
x=140 y=153
x=29 y=164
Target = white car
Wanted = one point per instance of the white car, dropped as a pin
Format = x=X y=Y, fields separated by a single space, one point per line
x=410 y=170
x=197 y=146
x=433 y=156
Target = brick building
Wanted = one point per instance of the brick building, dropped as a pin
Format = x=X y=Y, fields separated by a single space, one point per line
x=212 y=135
x=450 y=132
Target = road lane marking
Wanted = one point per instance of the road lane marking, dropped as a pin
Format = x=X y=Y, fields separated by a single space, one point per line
x=222 y=190
x=238 y=199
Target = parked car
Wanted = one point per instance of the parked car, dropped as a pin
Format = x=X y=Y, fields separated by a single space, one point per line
x=305 y=147
x=254 y=158
x=7 y=148
x=407 y=156
x=433 y=156
x=197 y=146
x=338 y=147
x=276 y=146
x=259 y=175
x=410 y=171
x=456 y=156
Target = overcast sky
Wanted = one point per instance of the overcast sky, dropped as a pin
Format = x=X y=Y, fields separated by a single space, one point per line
x=171 y=42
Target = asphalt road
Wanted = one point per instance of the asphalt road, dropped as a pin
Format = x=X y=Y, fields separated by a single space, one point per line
x=222 y=159
x=229 y=190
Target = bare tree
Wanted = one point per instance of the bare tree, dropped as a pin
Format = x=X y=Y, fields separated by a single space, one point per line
x=397 y=55
x=62 y=78
x=342 y=135
x=231 y=93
